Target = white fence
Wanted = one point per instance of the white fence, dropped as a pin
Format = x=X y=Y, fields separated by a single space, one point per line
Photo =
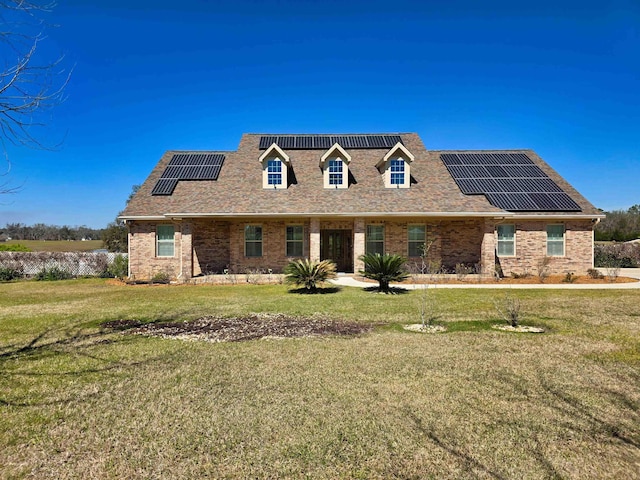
x=77 y=264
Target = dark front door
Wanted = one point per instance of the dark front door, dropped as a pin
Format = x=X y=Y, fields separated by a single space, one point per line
x=336 y=245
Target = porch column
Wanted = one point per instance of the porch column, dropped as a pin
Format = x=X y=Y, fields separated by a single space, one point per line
x=488 y=250
x=186 y=251
x=314 y=240
x=358 y=243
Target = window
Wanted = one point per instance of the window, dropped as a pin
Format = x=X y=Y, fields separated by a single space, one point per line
x=375 y=239
x=506 y=240
x=417 y=240
x=397 y=172
x=335 y=167
x=395 y=167
x=294 y=240
x=165 y=242
x=335 y=172
x=275 y=168
x=274 y=172
x=555 y=240
x=253 y=241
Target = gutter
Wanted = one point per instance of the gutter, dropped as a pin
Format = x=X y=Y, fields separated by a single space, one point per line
x=495 y=215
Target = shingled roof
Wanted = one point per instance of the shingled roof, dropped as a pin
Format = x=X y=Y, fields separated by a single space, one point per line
x=238 y=189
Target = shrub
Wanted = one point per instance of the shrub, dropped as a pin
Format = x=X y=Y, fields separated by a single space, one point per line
x=569 y=278
x=309 y=273
x=463 y=270
x=52 y=274
x=595 y=274
x=119 y=268
x=10 y=273
x=543 y=268
x=384 y=269
x=14 y=247
x=510 y=309
x=161 y=277
x=622 y=255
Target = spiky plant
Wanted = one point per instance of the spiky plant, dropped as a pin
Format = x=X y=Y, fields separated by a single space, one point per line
x=309 y=273
x=384 y=269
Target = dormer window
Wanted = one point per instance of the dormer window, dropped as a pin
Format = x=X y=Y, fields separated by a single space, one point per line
x=274 y=172
x=397 y=171
x=396 y=167
x=335 y=167
x=275 y=167
x=335 y=172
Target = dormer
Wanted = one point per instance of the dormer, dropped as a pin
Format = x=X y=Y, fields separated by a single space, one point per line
x=275 y=167
x=396 y=167
x=335 y=167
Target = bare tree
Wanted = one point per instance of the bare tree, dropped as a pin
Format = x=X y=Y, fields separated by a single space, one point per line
x=29 y=85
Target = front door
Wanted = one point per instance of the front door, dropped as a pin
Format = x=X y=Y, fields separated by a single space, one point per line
x=336 y=245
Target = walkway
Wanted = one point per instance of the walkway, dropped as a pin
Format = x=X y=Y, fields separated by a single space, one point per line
x=348 y=281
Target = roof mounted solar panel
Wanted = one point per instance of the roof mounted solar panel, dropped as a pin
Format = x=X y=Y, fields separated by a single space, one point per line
x=510 y=181
x=188 y=166
x=324 y=142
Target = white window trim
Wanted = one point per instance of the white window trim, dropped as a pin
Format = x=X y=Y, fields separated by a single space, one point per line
x=515 y=237
x=409 y=241
x=172 y=241
x=286 y=241
x=397 y=152
x=244 y=233
x=335 y=152
x=564 y=240
x=274 y=152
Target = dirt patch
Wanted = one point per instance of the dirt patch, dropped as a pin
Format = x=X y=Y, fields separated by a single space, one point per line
x=238 y=329
x=530 y=280
x=519 y=329
x=417 y=327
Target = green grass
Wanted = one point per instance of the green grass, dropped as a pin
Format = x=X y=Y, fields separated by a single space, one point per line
x=80 y=402
x=58 y=245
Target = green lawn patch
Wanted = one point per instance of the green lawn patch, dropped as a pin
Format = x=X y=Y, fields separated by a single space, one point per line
x=80 y=398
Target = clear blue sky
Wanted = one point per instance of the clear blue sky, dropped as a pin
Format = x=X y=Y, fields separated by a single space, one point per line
x=559 y=77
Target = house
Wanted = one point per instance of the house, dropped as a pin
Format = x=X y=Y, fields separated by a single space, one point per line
x=280 y=197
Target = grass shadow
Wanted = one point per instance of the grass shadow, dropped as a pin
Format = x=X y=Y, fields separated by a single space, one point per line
x=317 y=291
x=391 y=291
x=63 y=346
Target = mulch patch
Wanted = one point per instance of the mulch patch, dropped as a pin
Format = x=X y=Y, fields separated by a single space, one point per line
x=238 y=329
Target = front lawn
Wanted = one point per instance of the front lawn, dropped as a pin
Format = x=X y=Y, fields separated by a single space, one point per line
x=78 y=400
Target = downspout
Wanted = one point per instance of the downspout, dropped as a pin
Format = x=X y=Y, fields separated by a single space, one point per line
x=128 y=249
x=181 y=247
x=595 y=222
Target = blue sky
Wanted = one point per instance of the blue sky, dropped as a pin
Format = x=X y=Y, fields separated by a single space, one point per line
x=559 y=77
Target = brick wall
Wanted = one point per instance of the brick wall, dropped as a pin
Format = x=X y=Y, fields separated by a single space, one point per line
x=206 y=246
x=273 y=245
x=531 y=247
x=211 y=244
x=143 y=262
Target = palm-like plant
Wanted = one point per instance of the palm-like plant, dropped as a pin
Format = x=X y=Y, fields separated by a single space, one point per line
x=309 y=273
x=384 y=269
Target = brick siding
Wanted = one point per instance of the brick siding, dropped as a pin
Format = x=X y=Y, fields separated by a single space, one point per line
x=208 y=246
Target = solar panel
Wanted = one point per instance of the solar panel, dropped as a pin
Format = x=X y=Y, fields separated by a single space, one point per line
x=188 y=166
x=323 y=142
x=511 y=181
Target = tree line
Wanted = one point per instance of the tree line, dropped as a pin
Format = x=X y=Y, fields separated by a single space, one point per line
x=41 y=231
x=620 y=225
